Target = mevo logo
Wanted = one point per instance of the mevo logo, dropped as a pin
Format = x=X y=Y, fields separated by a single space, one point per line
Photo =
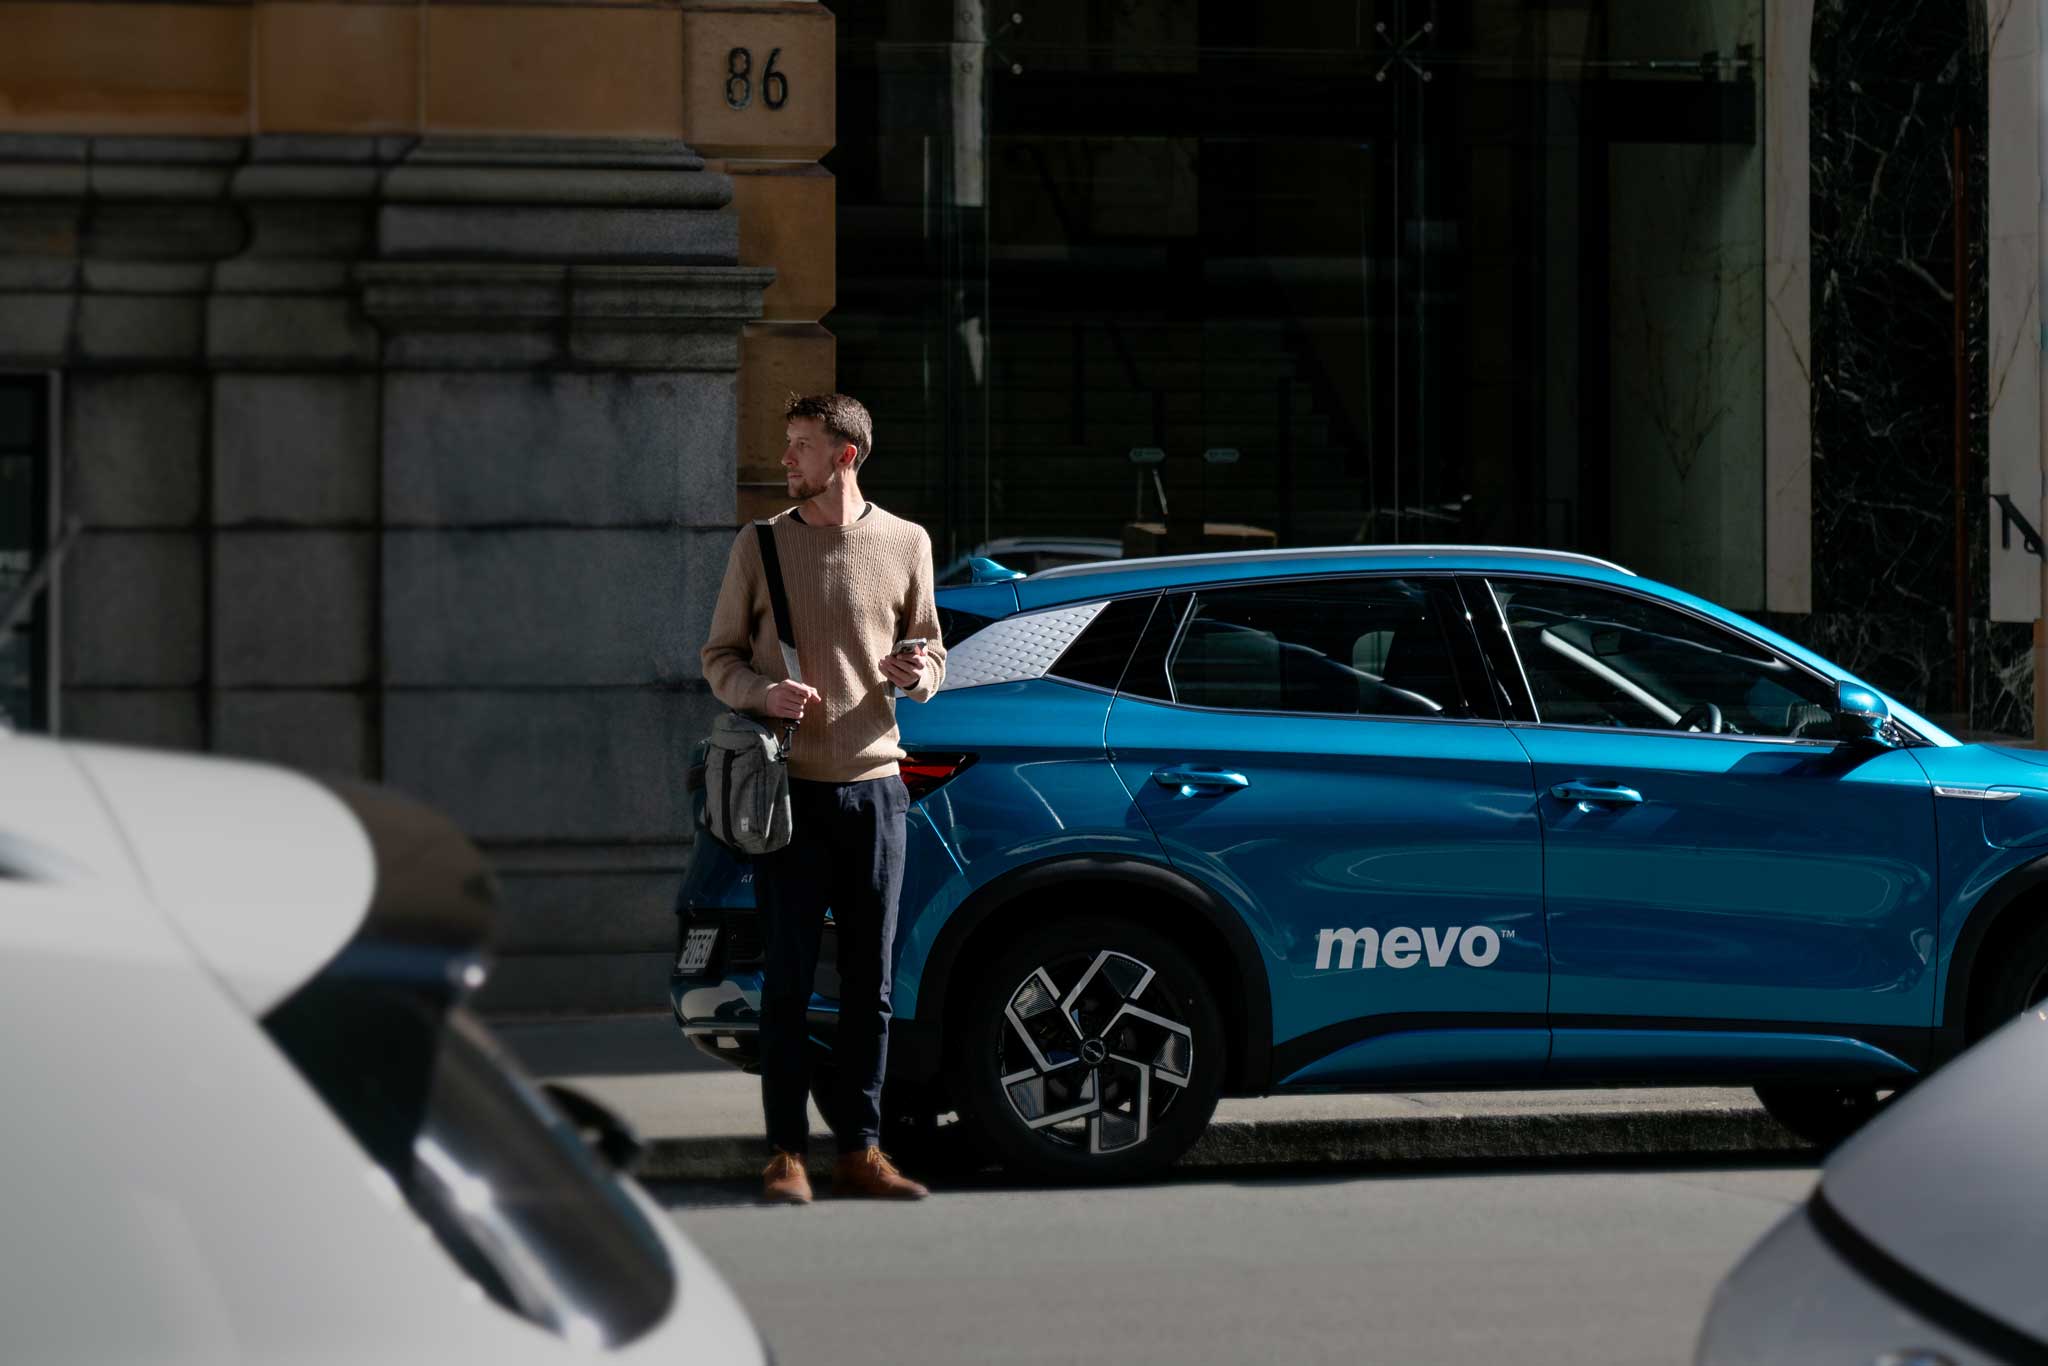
x=1403 y=947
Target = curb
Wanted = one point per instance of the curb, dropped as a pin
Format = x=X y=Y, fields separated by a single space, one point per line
x=1403 y=1139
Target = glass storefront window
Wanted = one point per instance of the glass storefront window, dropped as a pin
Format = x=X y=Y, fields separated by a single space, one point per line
x=24 y=513
x=1170 y=275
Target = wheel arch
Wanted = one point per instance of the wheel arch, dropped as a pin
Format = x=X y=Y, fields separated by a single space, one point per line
x=2001 y=914
x=1151 y=893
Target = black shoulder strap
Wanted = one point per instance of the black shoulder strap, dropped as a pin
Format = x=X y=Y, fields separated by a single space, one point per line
x=771 y=564
x=778 y=599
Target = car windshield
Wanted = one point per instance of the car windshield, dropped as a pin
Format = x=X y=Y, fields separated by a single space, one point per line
x=509 y=1188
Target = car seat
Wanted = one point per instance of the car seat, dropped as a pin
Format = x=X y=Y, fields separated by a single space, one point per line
x=1420 y=678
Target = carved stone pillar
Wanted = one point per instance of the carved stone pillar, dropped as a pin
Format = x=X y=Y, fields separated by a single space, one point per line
x=561 y=338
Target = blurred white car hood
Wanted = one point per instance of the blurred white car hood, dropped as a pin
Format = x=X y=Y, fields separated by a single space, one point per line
x=176 y=1188
x=265 y=874
x=1953 y=1183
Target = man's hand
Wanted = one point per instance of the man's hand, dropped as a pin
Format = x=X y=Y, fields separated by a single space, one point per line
x=906 y=671
x=786 y=699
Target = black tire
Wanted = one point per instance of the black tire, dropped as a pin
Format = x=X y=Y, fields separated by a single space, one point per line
x=1822 y=1115
x=920 y=1131
x=2019 y=981
x=1097 y=1052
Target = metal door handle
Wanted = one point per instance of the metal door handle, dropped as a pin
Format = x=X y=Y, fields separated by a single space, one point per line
x=1590 y=797
x=1211 y=782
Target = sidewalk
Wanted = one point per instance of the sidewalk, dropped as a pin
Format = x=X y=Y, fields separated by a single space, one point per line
x=701 y=1120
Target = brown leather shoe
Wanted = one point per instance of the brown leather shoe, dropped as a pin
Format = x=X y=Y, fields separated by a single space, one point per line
x=870 y=1175
x=786 y=1182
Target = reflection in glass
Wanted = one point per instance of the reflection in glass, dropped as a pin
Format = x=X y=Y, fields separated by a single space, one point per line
x=1192 y=275
x=1343 y=647
x=1594 y=657
x=24 y=512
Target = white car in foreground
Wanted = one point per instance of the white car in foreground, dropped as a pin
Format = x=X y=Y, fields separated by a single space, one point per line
x=1924 y=1244
x=244 y=1116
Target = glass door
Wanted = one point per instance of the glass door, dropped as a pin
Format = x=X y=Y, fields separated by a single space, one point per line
x=1182 y=227
x=1180 y=274
x=24 y=539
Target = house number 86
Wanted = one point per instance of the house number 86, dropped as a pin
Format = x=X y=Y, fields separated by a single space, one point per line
x=739 y=80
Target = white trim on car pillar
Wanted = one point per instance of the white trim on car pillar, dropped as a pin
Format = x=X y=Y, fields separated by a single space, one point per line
x=1017 y=648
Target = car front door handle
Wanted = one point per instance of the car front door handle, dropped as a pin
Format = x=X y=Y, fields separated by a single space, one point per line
x=1591 y=797
x=1200 y=782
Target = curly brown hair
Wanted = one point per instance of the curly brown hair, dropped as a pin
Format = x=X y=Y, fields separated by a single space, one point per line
x=844 y=419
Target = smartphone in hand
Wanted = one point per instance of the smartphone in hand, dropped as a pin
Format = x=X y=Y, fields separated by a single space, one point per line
x=905 y=649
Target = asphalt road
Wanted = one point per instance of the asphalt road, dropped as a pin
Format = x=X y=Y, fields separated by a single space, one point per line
x=1560 y=1262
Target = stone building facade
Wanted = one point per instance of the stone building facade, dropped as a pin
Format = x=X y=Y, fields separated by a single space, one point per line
x=401 y=364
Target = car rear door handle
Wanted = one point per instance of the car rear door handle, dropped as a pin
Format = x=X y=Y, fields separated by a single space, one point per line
x=1591 y=797
x=1203 y=782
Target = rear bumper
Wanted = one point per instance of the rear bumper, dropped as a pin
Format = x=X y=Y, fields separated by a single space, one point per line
x=721 y=1015
x=719 y=1008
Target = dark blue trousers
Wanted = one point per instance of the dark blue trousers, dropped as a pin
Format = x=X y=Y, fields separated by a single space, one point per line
x=846 y=853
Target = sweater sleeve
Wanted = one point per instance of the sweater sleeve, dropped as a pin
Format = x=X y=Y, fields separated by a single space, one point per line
x=729 y=648
x=921 y=618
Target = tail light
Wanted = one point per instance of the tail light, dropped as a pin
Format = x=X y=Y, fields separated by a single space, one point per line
x=925 y=774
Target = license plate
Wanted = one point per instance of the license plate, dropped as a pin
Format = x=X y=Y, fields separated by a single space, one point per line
x=696 y=954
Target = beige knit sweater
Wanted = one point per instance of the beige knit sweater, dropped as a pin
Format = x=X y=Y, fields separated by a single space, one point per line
x=854 y=591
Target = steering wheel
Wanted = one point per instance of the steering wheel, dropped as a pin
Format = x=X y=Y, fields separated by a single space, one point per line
x=1700 y=716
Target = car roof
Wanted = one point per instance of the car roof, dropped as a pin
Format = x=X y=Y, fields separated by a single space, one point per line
x=1109 y=578
x=1073 y=582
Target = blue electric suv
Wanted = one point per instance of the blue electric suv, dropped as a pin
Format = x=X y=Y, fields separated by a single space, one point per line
x=1416 y=817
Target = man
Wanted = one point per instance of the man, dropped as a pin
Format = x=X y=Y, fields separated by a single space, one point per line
x=859 y=581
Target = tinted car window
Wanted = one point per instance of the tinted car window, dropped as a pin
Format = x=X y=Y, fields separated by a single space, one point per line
x=1098 y=654
x=1348 y=647
x=506 y=1183
x=509 y=1188
x=1145 y=675
x=1595 y=657
x=956 y=625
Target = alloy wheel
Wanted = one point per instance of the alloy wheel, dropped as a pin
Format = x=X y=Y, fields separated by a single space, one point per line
x=1087 y=1060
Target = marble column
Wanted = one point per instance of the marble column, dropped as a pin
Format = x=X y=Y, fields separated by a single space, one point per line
x=1891 y=85
x=2014 y=304
x=561 y=328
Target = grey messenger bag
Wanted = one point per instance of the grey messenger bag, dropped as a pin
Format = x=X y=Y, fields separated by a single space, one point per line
x=746 y=764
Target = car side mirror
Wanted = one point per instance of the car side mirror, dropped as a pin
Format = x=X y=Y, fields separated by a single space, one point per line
x=1862 y=715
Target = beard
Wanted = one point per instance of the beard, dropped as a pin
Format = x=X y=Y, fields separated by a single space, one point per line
x=803 y=492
